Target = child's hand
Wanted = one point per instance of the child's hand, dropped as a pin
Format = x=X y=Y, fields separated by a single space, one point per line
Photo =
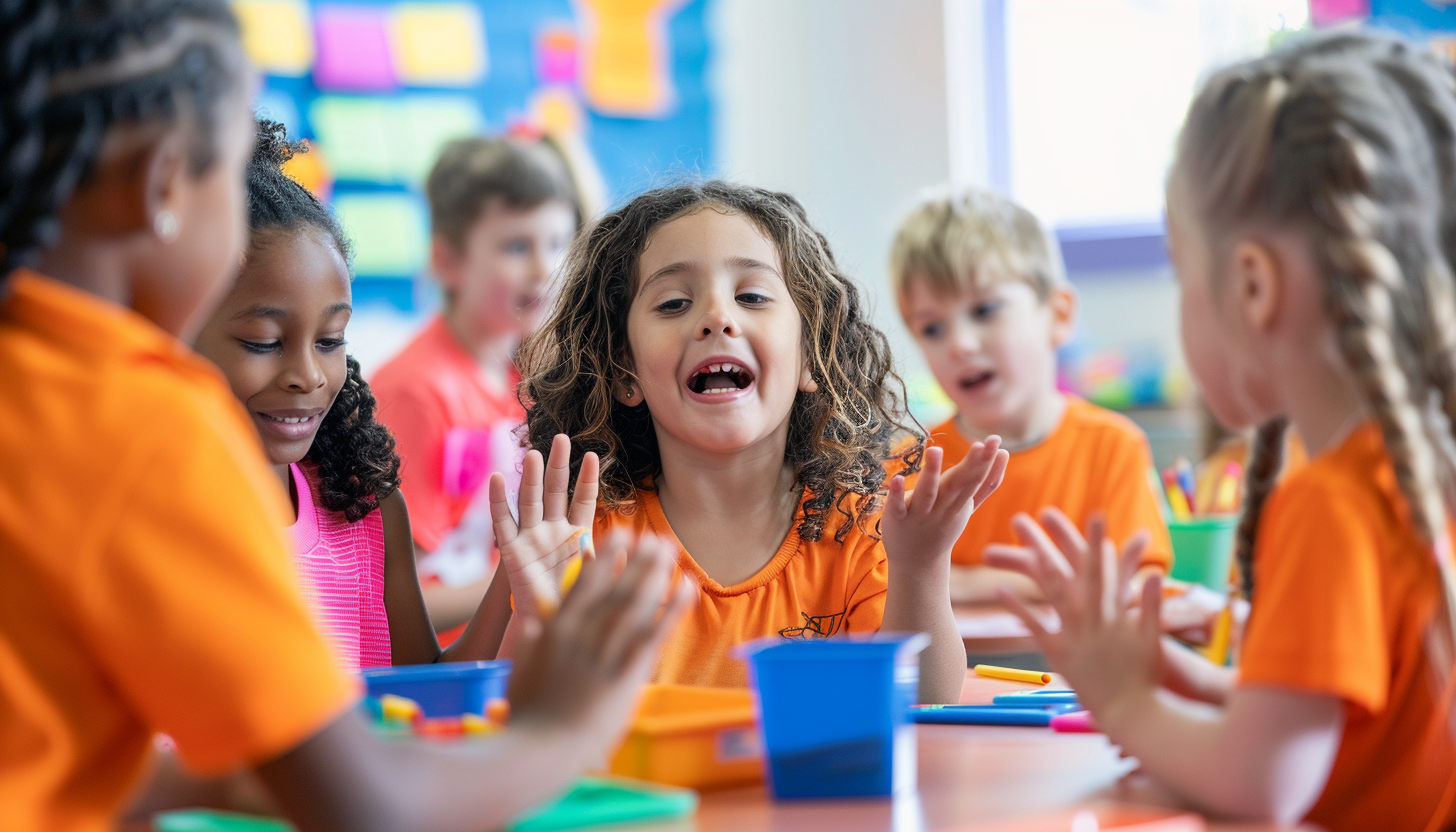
x=1106 y=647
x=920 y=527
x=582 y=670
x=538 y=546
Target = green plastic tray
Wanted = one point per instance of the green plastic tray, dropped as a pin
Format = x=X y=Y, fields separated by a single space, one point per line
x=592 y=801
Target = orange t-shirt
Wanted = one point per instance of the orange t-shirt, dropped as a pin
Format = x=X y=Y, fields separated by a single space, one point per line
x=809 y=589
x=434 y=385
x=145 y=581
x=1095 y=460
x=1343 y=594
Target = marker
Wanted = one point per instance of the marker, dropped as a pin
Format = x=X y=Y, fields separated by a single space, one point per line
x=1184 y=471
x=1011 y=674
x=1177 y=499
x=1037 y=698
x=1076 y=722
x=1162 y=496
x=980 y=715
x=1218 y=642
x=1226 y=495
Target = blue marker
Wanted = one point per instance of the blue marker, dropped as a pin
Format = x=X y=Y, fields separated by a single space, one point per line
x=1037 y=698
x=987 y=714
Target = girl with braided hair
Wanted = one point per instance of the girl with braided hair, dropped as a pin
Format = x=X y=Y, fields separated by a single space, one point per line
x=1312 y=224
x=278 y=337
x=145 y=584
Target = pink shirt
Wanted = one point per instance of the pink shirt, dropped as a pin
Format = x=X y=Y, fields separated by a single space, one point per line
x=431 y=388
x=341 y=568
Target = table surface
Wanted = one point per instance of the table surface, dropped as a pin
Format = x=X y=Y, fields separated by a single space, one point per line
x=971 y=777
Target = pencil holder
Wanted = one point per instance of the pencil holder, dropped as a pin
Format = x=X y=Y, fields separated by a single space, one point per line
x=1203 y=548
x=444 y=689
x=835 y=713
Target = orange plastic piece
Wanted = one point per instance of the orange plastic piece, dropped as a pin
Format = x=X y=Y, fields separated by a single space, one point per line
x=440 y=727
x=698 y=738
x=498 y=711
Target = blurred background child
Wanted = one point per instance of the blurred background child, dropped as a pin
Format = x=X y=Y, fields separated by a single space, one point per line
x=980 y=285
x=1309 y=212
x=502 y=212
x=278 y=337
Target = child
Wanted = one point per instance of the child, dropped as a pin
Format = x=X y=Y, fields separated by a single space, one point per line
x=147 y=585
x=278 y=337
x=707 y=349
x=980 y=284
x=1308 y=206
x=503 y=211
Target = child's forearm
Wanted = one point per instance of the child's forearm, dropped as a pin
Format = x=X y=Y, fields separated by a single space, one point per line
x=920 y=603
x=1266 y=756
x=1189 y=675
x=482 y=638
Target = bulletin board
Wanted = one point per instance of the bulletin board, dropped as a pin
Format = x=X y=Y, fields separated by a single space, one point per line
x=378 y=86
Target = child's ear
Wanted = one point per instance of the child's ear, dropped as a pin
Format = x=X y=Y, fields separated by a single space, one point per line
x=628 y=391
x=447 y=262
x=807 y=383
x=1062 y=301
x=1258 y=278
x=165 y=171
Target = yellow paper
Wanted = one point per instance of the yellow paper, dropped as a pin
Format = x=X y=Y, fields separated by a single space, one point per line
x=626 y=68
x=438 y=44
x=555 y=110
x=276 y=35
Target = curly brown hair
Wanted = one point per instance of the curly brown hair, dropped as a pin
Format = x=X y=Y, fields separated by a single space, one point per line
x=840 y=436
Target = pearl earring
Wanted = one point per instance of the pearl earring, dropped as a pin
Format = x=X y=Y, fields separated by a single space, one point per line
x=166 y=226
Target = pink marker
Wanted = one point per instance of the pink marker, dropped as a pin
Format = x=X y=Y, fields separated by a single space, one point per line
x=1077 y=722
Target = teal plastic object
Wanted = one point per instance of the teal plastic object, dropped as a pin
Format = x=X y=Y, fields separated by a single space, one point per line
x=444 y=689
x=205 y=820
x=593 y=801
x=835 y=713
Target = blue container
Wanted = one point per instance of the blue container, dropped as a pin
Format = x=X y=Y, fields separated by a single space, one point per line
x=835 y=713
x=445 y=689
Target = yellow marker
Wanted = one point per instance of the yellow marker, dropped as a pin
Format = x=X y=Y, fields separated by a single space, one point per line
x=476 y=725
x=1178 y=501
x=1011 y=674
x=1218 y=641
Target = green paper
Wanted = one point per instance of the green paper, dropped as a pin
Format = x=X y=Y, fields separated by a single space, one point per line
x=424 y=124
x=593 y=801
x=355 y=135
x=389 y=232
x=204 y=820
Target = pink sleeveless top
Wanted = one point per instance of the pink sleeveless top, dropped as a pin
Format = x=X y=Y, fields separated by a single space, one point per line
x=341 y=568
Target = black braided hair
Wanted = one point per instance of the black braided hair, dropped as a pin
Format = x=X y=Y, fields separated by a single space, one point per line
x=355 y=455
x=58 y=98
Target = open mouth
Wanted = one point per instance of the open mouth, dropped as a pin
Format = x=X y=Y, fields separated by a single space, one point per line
x=719 y=379
x=976 y=381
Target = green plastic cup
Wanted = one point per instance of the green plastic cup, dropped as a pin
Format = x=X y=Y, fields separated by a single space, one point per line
x=1202 y=549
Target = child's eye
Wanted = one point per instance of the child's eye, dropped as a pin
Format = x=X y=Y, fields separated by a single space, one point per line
x=674 y=305
x=752 y=298
x=260 y=347
x=518 y=247
x=986 y=310
x=932 y=330
x=330 y=344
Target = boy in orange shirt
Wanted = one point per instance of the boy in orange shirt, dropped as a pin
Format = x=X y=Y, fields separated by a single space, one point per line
x=980 y=283
x=503 y=211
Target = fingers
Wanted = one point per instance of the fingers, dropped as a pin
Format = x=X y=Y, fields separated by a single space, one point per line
x=1129 y=562
x=502 y=523
x=640 y=592
x=558 y=478
x=1093 y=578
x=1151 y=622
x=993 y=477
x=584 y=500
x=895 y=504
x=1048 y=555
x=528 y=504
x=1011 y=558
x=1068 y=540
x=928 y=485
x=1018 y=608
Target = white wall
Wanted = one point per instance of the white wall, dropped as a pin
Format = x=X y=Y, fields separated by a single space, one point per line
x=843 y=104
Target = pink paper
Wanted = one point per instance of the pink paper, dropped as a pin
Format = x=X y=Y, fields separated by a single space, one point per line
x=352 y=47
x=1327 y=12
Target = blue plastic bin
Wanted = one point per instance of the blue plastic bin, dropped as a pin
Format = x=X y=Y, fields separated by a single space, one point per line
x=835 y=713
x=445 y=689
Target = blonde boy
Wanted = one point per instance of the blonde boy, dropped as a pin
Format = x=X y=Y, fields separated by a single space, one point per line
x=981 y=286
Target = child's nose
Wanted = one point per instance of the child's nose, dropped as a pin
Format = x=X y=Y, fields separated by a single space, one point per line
x=304 y=374
x=717 y=318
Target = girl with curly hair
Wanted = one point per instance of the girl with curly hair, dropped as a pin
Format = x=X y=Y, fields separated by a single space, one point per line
x=710 y=377
x=279 y=339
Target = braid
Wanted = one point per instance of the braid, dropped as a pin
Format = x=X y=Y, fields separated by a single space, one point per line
x=1266 y=456
x=277 y=202
x=64 y=83
x=355 y=455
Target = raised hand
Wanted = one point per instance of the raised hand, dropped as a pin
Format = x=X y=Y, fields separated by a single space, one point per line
x=540 y=543
x=582 y=669
x=921 y=526
x=1105 y=645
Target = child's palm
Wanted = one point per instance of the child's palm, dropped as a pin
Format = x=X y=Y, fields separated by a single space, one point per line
x=924 y=524
x=540 y=543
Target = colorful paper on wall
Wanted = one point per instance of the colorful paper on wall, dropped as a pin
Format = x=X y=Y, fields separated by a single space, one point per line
x=626 y=61
x=556 y=111
x=1328 y=12
x=311 y=170
x=438 y=44
x=356 y=134
x=425 y=123
x=353 y=49
x=388 y=230
x=277 y=106
x=556 y=52
x=276 y=35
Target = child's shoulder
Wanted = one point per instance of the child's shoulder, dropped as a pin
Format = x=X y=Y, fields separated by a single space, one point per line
x=1354 y=480
x=429 y=360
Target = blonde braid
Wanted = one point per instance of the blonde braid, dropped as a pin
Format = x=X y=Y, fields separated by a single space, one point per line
x=1266 y=457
